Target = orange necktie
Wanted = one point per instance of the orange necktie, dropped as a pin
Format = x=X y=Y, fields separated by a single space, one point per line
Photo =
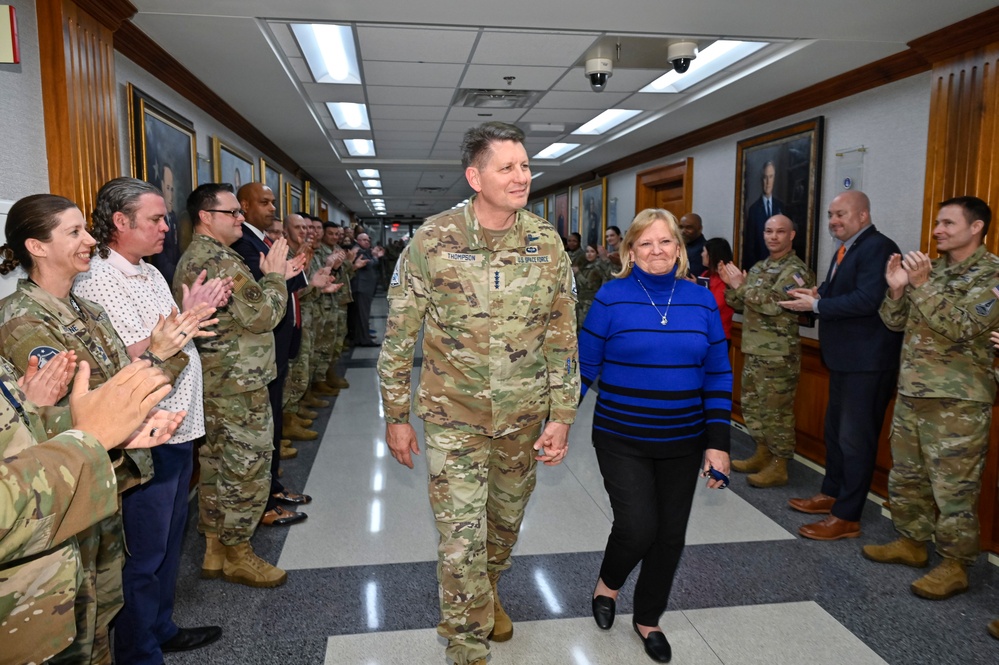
x=840 y=254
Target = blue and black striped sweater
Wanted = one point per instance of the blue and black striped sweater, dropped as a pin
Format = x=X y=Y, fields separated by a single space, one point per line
x=665 y=391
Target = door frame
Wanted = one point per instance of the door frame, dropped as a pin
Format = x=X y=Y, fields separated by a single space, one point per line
x=648 y=180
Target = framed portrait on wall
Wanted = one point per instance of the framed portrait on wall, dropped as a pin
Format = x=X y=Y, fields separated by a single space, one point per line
x=779 y=172
x=164 y=153
x=274 y=179
x=593 y=212
x=539 y=208
x=231 y=165
x=313 y=199
x=559 y=214
x=293 y=195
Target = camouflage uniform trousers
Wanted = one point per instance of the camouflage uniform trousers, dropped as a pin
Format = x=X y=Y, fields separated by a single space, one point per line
x=341 y=333
x=235 y=464
x=325 y=342
x=100 y=595
x=938 y=449
x=479 y=487
x=297 y=381
x=768 y=387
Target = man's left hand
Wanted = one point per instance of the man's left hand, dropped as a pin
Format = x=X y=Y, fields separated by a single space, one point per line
x=553 y=444
x=803 y=300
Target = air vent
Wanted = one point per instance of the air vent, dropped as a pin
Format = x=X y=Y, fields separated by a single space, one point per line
x=496 y=99
x=432 y=190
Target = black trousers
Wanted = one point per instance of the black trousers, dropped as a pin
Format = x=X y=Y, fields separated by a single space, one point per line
x=651 y=499
x=854 y=415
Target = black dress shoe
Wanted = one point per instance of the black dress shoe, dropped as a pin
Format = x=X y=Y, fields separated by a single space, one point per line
x=278 y=516
x=191 y=638
x=603 y=611
x=656 y=645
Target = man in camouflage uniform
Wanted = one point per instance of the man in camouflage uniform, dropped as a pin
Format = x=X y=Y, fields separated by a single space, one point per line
x=940 y=431
x=326 y=307
x=771 y=351
x=237 y=364
x=61 y=483
x=346 y=296
x=491 y=286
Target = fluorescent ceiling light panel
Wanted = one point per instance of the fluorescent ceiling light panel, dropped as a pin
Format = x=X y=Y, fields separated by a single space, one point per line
x=606 y=121
x=371 y=183
x=349 y=116
x=382 y=212
x=720 y=55
x=556 y=150
x=375 y=192
x=360 y=147
x=368 y=173
x=535 y=176
x=330 y=51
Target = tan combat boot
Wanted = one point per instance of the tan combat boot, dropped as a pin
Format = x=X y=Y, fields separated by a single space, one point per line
x=293 y=430
x=754 y=463
x=211 y=568
x=905 y=551
x=774 y=474
x=322 y=388
x=242 y=566
x=296 y=418
x=502 y=626
x=306 y=413
x=287 y=452
x=994 y=629
x=946 y=580
x=311 y=400
x=335 y=380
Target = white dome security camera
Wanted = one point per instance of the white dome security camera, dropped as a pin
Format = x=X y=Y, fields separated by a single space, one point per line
x=680 y=54
x=598 y=70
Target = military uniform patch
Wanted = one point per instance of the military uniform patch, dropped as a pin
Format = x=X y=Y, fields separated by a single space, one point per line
x=253 y=293
x=461 y=257
x=395 y=278
x=44 y=354
x=531 y=249
x=984 y=308
x=238 y=281
x=534 y=259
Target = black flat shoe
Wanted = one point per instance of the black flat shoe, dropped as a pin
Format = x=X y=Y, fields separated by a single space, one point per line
x=656 y=645
x=187 y=639
x=603 y=611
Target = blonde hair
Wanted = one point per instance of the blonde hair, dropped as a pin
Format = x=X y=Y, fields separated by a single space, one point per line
x=640 y=225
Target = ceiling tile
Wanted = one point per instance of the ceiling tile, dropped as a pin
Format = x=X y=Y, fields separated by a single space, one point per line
x=387 y=112
x=621 y=80
x=413 y=73
x=409 y=95
x=525 y=77
x=332 y=92
x=559 y=115
x=484 y=115
x=580 y=100
x=404 y=125
x=415 y=44
x=531 y=48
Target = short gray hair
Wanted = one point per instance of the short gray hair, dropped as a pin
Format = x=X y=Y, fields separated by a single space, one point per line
x=478 y=141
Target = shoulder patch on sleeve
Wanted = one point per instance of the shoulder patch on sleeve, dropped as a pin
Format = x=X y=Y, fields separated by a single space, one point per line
x=44 y=353
x=238 y=281
x=252 y=293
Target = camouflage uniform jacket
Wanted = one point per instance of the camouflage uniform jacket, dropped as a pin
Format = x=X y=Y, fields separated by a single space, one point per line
x=33 y=322
x=591 y=276
x=767 y=328
x=947 y=320
x=240 y=358
x=49 y=492
x=499 y=328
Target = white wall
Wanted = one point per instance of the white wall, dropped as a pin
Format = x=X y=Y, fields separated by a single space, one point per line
x=891 y=122
x=23 y=162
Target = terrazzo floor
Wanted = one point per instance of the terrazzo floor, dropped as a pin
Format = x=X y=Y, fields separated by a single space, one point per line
x=362 y=590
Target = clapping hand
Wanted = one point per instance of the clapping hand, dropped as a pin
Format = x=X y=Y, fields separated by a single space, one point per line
x=47 y=385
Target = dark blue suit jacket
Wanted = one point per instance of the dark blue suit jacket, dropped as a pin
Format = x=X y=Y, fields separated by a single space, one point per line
x=287 y=338
x=852 y=336
x=754 y=249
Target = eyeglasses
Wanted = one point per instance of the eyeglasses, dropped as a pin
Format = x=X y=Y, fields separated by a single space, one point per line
x=235 y=212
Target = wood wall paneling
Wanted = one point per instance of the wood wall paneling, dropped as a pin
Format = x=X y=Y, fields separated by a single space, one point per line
x=78 y=90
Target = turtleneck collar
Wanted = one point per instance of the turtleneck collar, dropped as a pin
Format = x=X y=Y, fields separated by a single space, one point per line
x=655 y=282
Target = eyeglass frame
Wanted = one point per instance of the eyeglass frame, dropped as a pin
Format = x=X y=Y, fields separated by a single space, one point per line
x=235 y=213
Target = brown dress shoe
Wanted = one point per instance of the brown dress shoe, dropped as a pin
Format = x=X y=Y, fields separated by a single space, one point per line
x=820 y=504
x=278 y=516
x=831 y=528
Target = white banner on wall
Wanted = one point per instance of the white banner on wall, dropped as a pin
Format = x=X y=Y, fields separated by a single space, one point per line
x=850 y=169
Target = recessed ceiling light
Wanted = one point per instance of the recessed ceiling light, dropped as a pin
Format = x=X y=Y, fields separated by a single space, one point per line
x=349 y=116
x=721 y=54
x=374 y=192
x=556 y=150
x=382 y=212
x=360 y=147
x=329 y=49
x=368 y=173
x=371 y=183
x=607 y=120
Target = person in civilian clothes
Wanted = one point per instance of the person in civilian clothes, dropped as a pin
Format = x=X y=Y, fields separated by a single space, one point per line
x=656 y=343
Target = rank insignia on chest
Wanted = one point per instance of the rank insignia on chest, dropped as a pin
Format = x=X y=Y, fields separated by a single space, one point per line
x=496 y=280
x=984 y=308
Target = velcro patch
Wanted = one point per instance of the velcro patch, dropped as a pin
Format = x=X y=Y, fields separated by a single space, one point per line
x=984 y=308
x=534 y=259
x=44 y=354
x=238 y=281
x=462 y=257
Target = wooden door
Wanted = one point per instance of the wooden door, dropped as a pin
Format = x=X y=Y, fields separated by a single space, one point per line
x=670 y=187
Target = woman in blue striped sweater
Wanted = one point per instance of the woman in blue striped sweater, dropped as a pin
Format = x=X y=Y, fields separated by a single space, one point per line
x=656 y=342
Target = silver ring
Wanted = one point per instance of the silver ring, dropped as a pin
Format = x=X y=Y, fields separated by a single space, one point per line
x=153 y=431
